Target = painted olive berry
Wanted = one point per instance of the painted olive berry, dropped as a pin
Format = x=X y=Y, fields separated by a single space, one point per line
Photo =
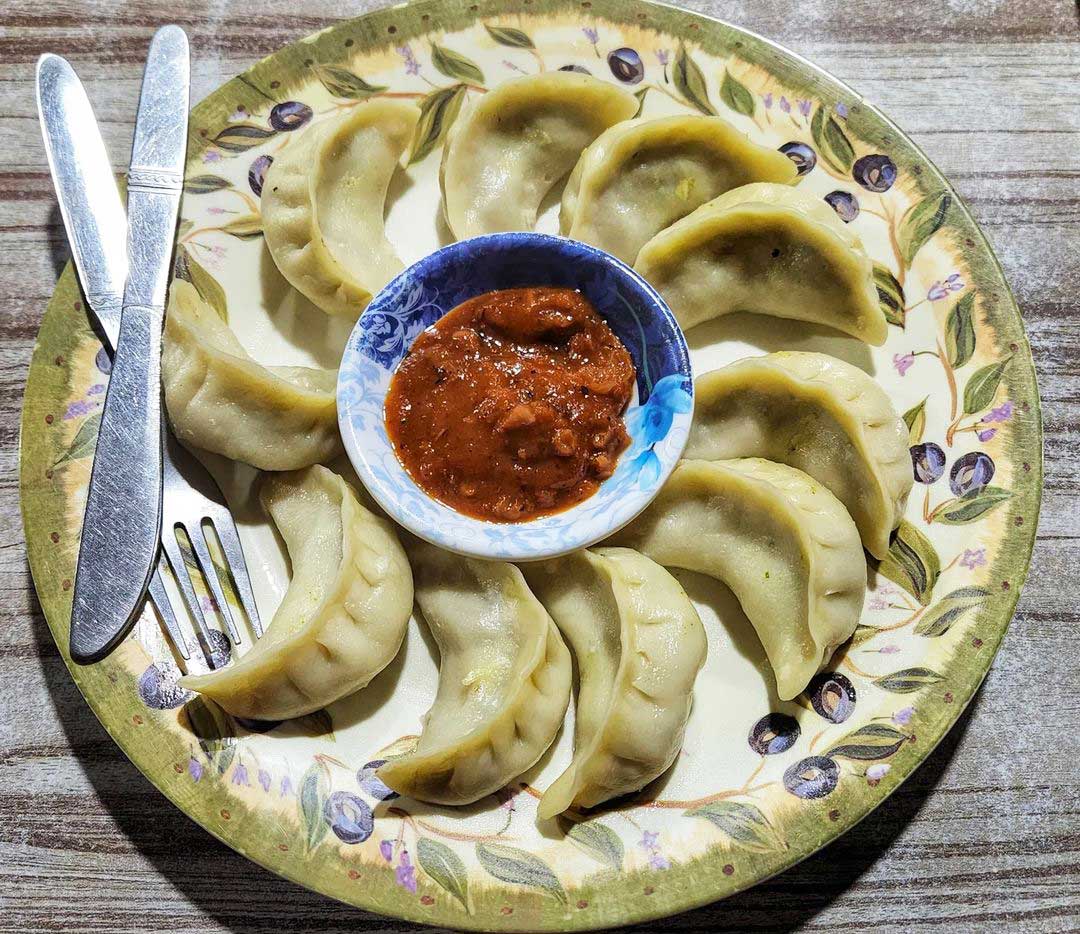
x=927 y=462
x=802 y=155
x=812 y=777
x=257 y=726
x=874 y=173
x=845 y=204
x=625 y=64
x=971 y=473
x=220 y=649
x=349 y=817
x=580 y=69
x=832 y=696
x=290 y=116
x=103 y=361
x=257 y=173
x=158 y=687
x=773 y=733
x=371 y=783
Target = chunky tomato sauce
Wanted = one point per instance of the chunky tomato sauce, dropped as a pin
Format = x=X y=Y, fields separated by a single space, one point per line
x=510 y=406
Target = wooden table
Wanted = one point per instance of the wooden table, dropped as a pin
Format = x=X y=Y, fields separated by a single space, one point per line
x=987 y=831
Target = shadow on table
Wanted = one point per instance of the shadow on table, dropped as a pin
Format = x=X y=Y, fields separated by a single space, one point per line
x=243 y=897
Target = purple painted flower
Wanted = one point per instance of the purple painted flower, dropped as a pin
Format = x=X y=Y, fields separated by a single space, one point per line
x=264 y=779
x=785 y=104
x=650 y=839
x=591 y=34
x=767 y=100
x=986 y=434
x=937 y=292
x=211 y=155
x=405 y=874
x=215 y=211
x=286 y=787
x=954 y=283
x=79 y=408
x=659 y=861
x=219 y=252
x=512 y=67
x=889 y=650
x=842 y=110
x=1001 y=414
x=412 y=66
x=973 y=558
x=98 y=388
x=877 y=772
x=650 y=843
x=804 y=108
x=195 y=768
x=903 y=716
x=386 y=848
x=240 y=775
x=663 y=56
x=903 y=361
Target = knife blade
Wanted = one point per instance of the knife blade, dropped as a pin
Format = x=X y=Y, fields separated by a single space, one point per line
x=122 y=520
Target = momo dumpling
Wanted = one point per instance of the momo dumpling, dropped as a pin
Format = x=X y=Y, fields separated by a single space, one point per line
x=783 y=543
x=640 y=176
x=819 y=414
x=769 y=249
x=510 y=148
x=220 y=400
x=504 y=680
x=639 y=646
x=344 y=616
x=323 y=202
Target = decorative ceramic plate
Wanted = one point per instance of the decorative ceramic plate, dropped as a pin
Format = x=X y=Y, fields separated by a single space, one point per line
x=760 y=783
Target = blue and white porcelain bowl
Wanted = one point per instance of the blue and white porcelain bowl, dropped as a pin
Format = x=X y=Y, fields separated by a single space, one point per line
x=657 y=419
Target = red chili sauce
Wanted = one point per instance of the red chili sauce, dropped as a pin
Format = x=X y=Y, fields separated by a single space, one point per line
x=510 y=406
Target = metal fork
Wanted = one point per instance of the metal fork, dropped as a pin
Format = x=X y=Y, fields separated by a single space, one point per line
x=95 y=223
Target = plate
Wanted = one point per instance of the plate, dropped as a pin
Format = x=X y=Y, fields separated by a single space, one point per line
x=760 y=784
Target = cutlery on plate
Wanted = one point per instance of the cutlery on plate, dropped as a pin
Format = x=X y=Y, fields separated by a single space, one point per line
x=97 y=229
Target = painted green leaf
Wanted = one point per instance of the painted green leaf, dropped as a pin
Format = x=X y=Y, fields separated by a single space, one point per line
x=743 y=823
x=84 y=442
x=213 y=732
x=921 y=222
x=983 y=385
x=245 y=227
x=873 y=741
x=205 y=284
x=205 y=184
x=831 y=141
x=598 y=840
x=735 y=95
x=444 y=866
x=890 y=295
x=341 y=82
x=240 y=137
x=690 y=82
x=438 y=111
x=314 y=790
x=507 y=35
x=971 y=506
x=519 y=867
x=912 y=563
x=455 y=65
x=908 y=680
x=863 y=634
x=317 y=723
x=915 y=419
x=941 y=617
x=185 y=227
x=640 y=95
x=960 y=331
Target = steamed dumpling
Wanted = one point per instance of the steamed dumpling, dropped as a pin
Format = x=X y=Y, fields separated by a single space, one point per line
x=769 y=249
x=640 y=176
x=323 y=202
x=220 y=400
x=504 y=680
x=819 y=414
x=639 y=645
x=344 y=616
x=510 y=148
x=783 y=543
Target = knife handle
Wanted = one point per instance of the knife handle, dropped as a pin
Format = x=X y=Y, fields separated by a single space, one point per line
x=123 y=507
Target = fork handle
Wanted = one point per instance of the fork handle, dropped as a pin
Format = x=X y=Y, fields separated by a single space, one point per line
x=122 y=522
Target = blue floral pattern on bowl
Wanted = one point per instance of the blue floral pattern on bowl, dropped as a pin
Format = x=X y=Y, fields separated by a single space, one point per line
x=658 y=418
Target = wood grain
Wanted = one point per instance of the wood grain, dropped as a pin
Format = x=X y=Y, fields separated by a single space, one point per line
x=987 y=831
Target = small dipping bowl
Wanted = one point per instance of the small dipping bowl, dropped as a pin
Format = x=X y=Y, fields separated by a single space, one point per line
x=657 y=418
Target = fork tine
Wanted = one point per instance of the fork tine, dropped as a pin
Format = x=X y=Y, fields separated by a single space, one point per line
x=171 y=546
x=164 y=609
x=206 y=564
x=227 y=535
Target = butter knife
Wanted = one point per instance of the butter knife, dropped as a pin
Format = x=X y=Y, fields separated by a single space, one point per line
x=122 y=521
